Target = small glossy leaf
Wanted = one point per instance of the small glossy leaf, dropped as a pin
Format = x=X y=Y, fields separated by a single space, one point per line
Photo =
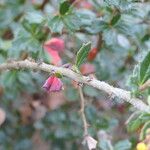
x=64 y=7
x=34 y=17
x=5 y=44
x=112 y=2
x=72 y=22
x=56 y=24
x=134 y=125
x=145 y=38
x=105 y=144
x=123 y=145
x=82 y=53
x=141 y=74
x=144 y=130
x=58 y=75
x=145 y=69
x=115 y=19
x=97 y=26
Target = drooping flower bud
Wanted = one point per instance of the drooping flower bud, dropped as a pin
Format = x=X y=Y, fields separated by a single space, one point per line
x=53 y=84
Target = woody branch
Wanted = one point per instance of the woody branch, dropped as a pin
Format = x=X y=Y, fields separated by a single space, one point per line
x=100 y=85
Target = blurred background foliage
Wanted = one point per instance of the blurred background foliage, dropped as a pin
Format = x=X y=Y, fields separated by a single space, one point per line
x=118 y=29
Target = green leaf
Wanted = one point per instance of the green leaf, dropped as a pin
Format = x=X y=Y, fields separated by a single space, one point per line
x=58 y=75
x=72 y=22
x=137 y=121
x=105 y=145
x=71 y=94
x=141 y=74
x=123 y=145
x=144 y=130
x=82 y=53
x=5 y=44
x=112 y=2
x=145 y=38
x=89 y=91
x=55 y=24
x=110 y=37
x=64 y=7
x=97 y=26
x=145 y=69
x=34 y=17
x=86 y=17
x=135 y=125
x=115 y=19
x=23 y=41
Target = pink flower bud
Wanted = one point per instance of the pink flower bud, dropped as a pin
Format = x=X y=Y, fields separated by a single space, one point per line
x=56 y=44
x=53 y=84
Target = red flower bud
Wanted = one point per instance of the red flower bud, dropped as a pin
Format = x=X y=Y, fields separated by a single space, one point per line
x=53 y=84
x=92 y=54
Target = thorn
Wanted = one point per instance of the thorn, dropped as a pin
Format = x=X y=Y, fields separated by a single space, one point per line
x=53 y=71
x=39 y=62
x=111 y=96
x=89 y=78
x=80 y=84
x=68 y=65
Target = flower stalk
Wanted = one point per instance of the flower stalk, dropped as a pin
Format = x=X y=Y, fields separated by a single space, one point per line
x=82 y=111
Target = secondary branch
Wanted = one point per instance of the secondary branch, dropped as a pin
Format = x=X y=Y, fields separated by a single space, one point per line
x=100 y=85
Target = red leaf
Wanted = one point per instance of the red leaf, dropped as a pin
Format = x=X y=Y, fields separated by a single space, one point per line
x=56 y=60
x=85 y=4
x=56 y=44
x=87 y=69
x=92 y=54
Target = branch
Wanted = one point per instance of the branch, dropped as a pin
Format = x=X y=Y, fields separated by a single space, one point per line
x=83 y=117
x=100 y=85
x=99 y=42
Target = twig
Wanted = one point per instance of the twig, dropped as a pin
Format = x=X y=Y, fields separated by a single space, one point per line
x=99 y=42
x=83 y=117
x=43 y=4
x=100 y=85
